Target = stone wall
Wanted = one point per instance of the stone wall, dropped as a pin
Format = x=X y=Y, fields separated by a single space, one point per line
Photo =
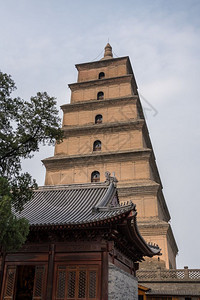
x=121 y=285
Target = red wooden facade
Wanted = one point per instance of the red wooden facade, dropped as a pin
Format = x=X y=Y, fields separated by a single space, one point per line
x=57 y=272
x=71 y=260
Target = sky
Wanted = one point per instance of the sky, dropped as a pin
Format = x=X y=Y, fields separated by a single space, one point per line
x=41 y=41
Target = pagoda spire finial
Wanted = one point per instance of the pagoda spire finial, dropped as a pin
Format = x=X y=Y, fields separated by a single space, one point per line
x=108 y=52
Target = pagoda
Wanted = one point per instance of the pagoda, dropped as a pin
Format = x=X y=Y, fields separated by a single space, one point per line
x=105 y=130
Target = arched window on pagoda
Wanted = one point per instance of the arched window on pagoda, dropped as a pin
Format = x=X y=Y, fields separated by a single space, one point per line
x=95 y=176
x=100 y=96
x=98 y=119
x=101 y=75
x=97 y=146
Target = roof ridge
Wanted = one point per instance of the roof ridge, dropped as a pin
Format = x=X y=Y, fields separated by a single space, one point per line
x=72 y=186
x=116 y=208
x=109 y=195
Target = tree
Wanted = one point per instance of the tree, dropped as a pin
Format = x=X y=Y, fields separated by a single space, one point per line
x=23 y=127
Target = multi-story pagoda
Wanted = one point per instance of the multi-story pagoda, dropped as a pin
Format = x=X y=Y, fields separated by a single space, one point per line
x=105 y=130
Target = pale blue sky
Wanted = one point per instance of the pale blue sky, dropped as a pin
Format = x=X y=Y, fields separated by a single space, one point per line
x=41 y=41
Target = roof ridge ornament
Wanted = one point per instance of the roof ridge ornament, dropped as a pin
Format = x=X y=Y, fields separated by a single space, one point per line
x=107 y=52
x=153 y=245
x=111 y=179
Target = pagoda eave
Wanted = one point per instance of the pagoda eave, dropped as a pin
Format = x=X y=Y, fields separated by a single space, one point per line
x=101 y=63
x=93 y=103
x=62 y=160
x=102 y=82
x=120 y=126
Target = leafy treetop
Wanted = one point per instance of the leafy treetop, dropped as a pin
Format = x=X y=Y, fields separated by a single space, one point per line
x=23 y=127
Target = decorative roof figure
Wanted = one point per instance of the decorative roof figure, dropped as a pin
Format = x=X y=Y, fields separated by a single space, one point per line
x=110 y=178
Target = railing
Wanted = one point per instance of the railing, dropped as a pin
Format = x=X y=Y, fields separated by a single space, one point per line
x=169 y=275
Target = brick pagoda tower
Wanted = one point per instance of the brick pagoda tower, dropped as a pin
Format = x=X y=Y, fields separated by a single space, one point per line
x=105 y=130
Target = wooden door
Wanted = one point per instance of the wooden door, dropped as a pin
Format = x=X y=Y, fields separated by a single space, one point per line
x=10 y=283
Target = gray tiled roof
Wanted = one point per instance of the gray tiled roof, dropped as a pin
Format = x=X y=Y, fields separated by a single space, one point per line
x=182 y=292
x=76 y=204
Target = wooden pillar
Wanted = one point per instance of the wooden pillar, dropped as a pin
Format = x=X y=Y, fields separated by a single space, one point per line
x=50 y=272
x=104 y=275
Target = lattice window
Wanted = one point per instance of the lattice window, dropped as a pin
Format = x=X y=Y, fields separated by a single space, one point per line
x=71 y=282
x=82 y=284
x=92 y=283
x=61 y=283
x=77 y=282
x=10 y=283
x=38 y=282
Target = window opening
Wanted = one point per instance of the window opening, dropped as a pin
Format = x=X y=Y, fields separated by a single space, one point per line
x=100 y=96
x=98 y=119
x=101 y=75
x=95 y=176
x=97 y=146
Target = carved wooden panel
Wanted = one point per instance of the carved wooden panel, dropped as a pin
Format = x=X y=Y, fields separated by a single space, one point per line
x=39 y=283
x=92 y=283
x=82 y=284
x=10 y=283
x=61 y=279
x=71 y=283
x=77 y=282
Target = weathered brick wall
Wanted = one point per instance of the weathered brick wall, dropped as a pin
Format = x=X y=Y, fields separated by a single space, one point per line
x=121 y=285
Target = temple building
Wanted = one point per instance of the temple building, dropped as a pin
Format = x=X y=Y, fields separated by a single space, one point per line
x=82 y=245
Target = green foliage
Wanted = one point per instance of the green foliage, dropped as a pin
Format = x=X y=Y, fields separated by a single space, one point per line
x=13 y=231
x=23 y=127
